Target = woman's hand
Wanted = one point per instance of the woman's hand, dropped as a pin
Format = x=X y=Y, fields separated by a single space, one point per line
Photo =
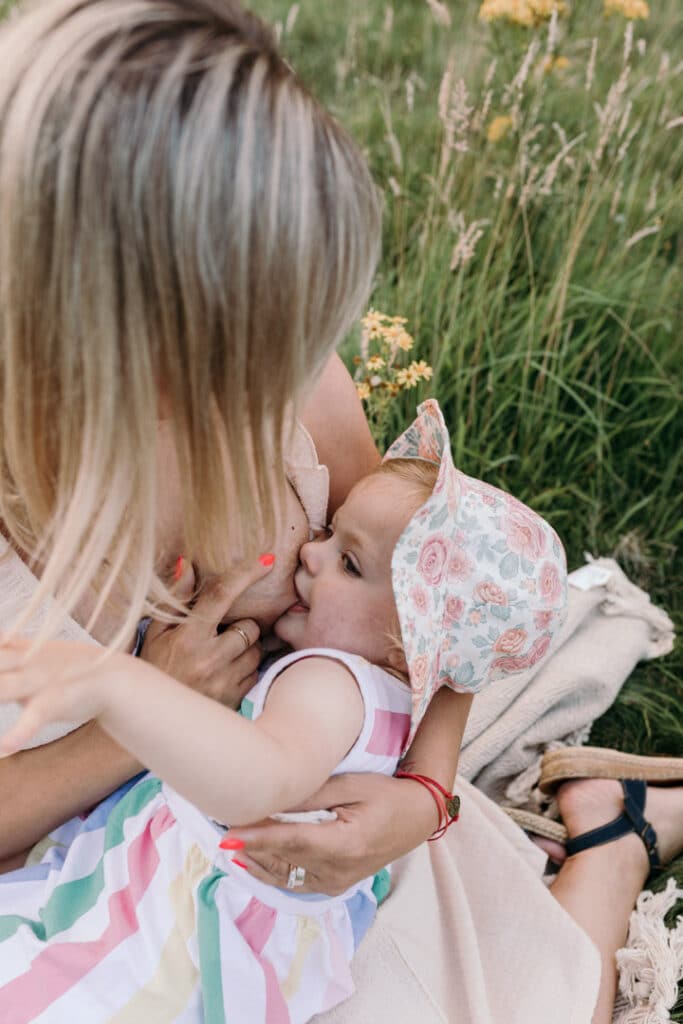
x=60 y=681
x=221 y=666
x=378 y=820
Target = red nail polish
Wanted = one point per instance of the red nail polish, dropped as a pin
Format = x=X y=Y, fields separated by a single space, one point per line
x=178 y=571
x=239 y=864
x=231 y=844
x=267 y=560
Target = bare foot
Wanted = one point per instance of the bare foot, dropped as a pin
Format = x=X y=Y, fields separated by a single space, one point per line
x=588 y=803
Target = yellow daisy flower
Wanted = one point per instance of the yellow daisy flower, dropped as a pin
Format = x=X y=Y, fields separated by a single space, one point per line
x=422 y=369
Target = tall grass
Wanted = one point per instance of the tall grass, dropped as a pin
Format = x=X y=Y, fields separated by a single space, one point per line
x=538 y=259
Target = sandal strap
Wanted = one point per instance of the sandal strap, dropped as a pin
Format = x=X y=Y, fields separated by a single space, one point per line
x=632 y=820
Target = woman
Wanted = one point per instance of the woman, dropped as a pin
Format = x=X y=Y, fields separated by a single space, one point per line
x=186 y=237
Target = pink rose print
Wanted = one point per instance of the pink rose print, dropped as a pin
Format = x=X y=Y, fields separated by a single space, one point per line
x=460 y=567
x=543 y=619
x=419 y=599
x=432 y=561
x=516 y=664
x=549 y=582
x=474 y=618
x=455 y=606
x=539 y=649
x=490 y=593
x=524 y=532
x=511 y=641
x=418 y=673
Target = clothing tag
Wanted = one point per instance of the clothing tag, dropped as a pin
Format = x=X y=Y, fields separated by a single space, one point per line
x=588 y=577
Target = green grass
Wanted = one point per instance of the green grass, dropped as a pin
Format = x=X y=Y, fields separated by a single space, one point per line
x=556 y=346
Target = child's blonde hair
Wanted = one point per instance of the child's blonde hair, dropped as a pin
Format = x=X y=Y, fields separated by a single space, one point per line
x=422 y=476
x=418 y=472
x=180 y=221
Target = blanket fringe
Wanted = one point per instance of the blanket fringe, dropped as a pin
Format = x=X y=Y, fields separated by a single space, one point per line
x=651 y=963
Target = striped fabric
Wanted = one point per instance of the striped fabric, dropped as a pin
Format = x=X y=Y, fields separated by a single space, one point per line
x=134 y=915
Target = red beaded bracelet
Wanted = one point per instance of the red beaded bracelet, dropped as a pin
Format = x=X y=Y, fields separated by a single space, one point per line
x=447 y=803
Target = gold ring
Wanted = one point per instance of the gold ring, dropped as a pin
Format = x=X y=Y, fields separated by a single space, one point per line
x=242 y=633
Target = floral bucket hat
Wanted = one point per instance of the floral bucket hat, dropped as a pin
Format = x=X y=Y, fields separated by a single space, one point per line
x=479 y=579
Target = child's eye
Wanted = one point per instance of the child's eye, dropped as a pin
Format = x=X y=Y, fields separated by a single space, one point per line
x=349 y=565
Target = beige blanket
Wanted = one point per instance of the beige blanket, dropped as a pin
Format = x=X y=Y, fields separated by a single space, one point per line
x=611 y=625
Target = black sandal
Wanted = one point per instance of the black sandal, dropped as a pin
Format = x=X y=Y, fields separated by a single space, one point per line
x=631 y=820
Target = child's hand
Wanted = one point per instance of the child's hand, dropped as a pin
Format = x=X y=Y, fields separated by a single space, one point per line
x=61 y=681
x=221 y=666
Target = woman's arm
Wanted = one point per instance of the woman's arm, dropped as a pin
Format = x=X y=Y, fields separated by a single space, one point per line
x=378 y=819
x=335 y=419
x=232 y=769
x=45 y=786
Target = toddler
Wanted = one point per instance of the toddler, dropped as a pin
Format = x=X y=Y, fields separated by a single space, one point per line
x=425 y=578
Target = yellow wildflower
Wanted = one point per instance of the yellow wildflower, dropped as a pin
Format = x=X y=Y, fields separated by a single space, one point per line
x=629 y=8
x=413 y=374
x=549 y=64
x=422 y=369
x=373 y=322
x=408 y=378
x=517 y=11
x=543 y=9
x=363 y=390
x=375 y=363
x=498 y=127
x=398 y=319
x=396 y=336
x=521 y=12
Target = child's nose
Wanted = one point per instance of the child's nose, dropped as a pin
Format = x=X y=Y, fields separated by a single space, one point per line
x=311 y=556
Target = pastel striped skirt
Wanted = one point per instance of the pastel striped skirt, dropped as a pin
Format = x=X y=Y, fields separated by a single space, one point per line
x=134 y=915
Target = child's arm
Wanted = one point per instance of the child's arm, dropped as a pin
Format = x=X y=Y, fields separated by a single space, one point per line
x=378 y=819
x=234 y=770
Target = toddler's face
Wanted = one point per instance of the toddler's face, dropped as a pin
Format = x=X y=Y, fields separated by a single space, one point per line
x=345 y=598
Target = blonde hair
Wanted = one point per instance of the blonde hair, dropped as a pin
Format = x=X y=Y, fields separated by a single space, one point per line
x=418 y=472
x=422 y=476
x=180 y=218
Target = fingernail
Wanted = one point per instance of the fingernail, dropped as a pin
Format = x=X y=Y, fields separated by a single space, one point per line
x=266 y=560
x=178 y=571
x=231 y=844
x=239 y=864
